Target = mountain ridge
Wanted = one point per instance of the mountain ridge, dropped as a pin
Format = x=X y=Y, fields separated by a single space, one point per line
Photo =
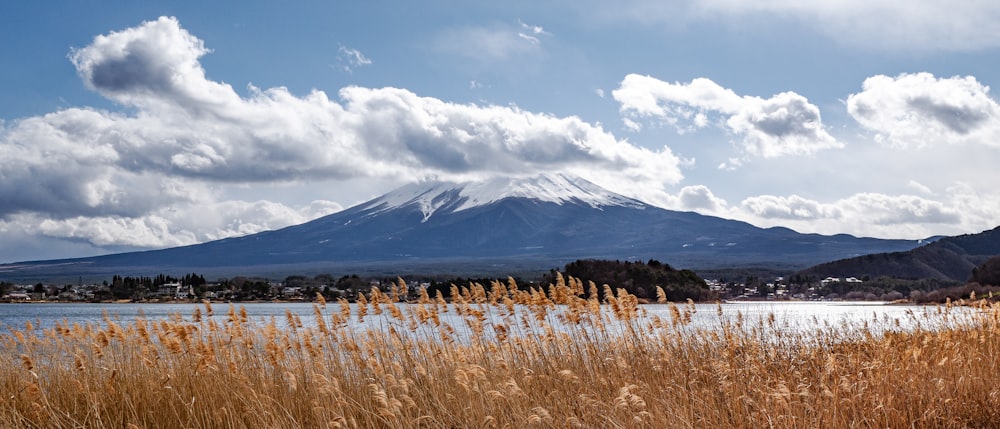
x=949 y=258
x=540 y=222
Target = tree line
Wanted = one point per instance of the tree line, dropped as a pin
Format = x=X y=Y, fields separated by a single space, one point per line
x=640 y=279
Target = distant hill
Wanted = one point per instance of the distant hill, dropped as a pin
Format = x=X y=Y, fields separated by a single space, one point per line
x=642 y=278
x=951 y=258
x=478 y=228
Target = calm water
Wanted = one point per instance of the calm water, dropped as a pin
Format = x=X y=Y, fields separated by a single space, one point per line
x=787 y=315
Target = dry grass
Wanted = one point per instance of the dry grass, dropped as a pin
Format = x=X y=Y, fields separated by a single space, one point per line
x=519 y=359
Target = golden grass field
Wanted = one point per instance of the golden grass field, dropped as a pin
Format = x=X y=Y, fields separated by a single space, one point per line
x=520 y=359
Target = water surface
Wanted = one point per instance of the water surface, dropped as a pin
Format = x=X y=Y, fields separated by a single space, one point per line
x=787 y=315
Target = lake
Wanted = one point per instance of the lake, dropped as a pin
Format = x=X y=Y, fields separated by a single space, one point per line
x=794 y=315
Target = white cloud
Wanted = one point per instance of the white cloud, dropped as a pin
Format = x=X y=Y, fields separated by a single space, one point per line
x=147 y=231
x=70 y=163
x=785 y=124
x=868 y=214
x=445 y=138
x=879 y=209
x=533 y=29
x=731 y=164
x=22 y=242
x=350 y=59
x=979 y=208
x=96 y=174
x=920 y=187
x=156 y=62
x=902 y=209
x=914 y=110
x=184 y=224
x=531 y=32
x=701 y=199
x=959 y=210
x=631 y=125
x=646 y=96
x=694 y=198
x=790 y=207
x=530 y=39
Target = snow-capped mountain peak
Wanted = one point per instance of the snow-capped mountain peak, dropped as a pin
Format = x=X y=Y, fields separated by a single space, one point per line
x=435 y=196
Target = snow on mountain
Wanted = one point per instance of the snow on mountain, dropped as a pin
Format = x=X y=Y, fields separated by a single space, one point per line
x=449 y=197
x=533 y=223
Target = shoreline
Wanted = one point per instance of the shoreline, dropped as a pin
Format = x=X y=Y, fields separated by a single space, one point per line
x=722 y=302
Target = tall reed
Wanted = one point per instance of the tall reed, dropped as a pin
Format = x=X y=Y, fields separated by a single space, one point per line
x=503 y=357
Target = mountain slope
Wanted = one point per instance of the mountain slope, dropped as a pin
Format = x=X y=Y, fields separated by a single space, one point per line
x=541 y=222
x=948 y=258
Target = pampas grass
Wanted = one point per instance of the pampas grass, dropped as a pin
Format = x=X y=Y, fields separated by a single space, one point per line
x=556 y=358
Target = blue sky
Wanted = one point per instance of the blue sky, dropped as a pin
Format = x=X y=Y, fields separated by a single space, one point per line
x=138 y=125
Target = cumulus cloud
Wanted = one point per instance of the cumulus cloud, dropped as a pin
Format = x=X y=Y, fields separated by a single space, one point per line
x=790 y=207
x=88 y=171
x=699 y=198
x=443 y=137
x=67 y=164
x=866 y=214
x=785 y=124
x=151 y=231
x=151 y=65
x=183 y=224
x=902 y=209
x=877 y=208
x=978 y=207
x=914 y=110
x=959 y=210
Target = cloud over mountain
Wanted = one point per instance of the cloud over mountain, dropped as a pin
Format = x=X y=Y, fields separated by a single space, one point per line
x=181 y=156
x=183 y=136
x=190 y=126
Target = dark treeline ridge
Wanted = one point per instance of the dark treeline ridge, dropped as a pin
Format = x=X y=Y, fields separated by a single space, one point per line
x=637 y=278
x=135 y=287
x=640 y=279
x=987 y=273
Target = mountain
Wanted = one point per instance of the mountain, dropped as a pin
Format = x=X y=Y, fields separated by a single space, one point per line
x=950 y=258
x=531 y=224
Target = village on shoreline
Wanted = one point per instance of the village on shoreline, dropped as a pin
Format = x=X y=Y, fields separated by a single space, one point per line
x=301 y=289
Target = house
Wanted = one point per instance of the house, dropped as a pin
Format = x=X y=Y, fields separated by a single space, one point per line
x=291 y=292
x=16 y=297
x=70 y=295
x=174 y=290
